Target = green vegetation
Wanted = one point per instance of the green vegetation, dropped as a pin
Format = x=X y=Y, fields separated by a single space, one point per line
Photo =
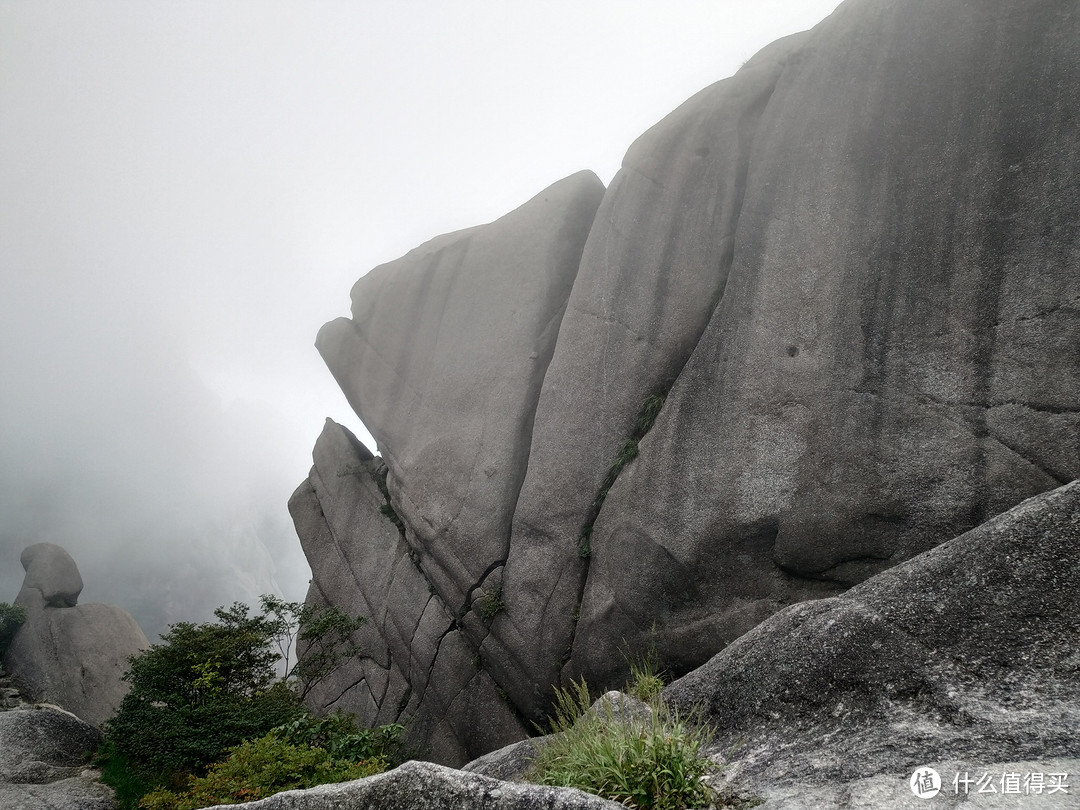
x=645 y=682
x=491 y=603
x=650 y=762
x=259 y=768
x=210 y=689
x=11 y=618
x=650 y=408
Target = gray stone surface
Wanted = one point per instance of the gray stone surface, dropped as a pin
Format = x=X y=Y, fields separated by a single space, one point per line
x=43 y=756
x=71 y=656
x=76 y=793
x=966 y=653
x=854 y=266
x=419 y=669
x=425 y=786
x=654 y=267
x=51 y=570
x=896 y=356
x=443 y=359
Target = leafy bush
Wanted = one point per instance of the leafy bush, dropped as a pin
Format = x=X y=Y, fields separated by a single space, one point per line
x=259 y=768
x=650 y=763
x=206 y=688
x=339 y=735
x=11 y=618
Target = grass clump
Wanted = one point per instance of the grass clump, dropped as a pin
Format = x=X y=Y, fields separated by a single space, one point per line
x=650 y=763
x=645 y=682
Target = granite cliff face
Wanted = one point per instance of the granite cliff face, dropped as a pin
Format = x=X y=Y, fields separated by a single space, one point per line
x=849 y=273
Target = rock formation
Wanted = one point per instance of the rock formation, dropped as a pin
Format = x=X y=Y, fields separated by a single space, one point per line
x=69 y=654
x=43 y=762
x=842 y=283
x=964 y=656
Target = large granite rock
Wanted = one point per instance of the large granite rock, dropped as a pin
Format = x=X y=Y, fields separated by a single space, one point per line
x=43 y=762
x=850 y=269
x=964 y=656
x=896 y=356
x=67 y=654
x=443 y=359
x=419 y=668
x=426 y=786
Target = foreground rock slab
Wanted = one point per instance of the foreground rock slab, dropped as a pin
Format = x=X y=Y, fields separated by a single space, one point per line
x=425 y=786
x=964 y=655
x=43 y=762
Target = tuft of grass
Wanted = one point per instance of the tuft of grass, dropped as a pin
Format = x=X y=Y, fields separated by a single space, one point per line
x=651 y=764
x=645 y=682
x=650 y=409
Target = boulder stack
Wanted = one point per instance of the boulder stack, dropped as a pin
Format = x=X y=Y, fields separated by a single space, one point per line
x=69 y=654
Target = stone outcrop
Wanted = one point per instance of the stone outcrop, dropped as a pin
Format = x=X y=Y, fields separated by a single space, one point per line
x=426 y=786
x=419 y=668
x=966 y=655
x=68 y=654
x=43 y=762
x=846 y=280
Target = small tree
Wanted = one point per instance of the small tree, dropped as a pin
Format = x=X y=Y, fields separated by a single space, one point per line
x=320 y=637
x=208 y=687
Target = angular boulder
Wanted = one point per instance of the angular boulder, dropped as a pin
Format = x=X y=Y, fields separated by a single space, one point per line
x=843 y=282
x=444 y=357
x=963 y=656
x=71 y=655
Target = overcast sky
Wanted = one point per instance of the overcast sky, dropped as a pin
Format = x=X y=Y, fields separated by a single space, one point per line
x=189 y=189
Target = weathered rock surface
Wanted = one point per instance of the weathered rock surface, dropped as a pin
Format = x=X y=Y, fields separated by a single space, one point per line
x=419 y=668
x=43 y=761
x=851 y=269
x=896 y=356
x=51 y=570
x=444 y=357
x=966 y=655
x=425 y=786
x=67 y=654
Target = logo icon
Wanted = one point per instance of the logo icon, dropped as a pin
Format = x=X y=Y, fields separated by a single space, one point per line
x=925 y=783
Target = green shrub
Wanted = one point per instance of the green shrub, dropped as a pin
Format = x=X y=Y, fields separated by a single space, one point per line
x=650 y=763
x=206 y=688
x=339 y=735
x=259 y=768
x=11 y=618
